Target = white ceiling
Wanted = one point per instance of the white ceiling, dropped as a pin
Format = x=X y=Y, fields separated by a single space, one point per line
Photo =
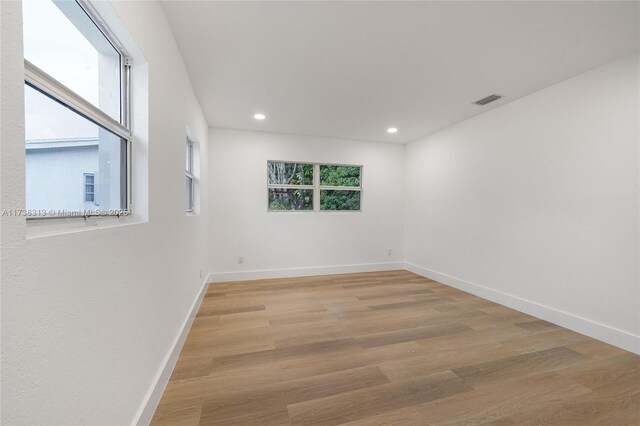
x=352 y=69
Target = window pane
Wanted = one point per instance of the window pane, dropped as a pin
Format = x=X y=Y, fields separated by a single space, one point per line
x=61 y=40
x=339 y=175
x=290 y=199
x=88 y=188
x=189 y=156
x=189 y=194
x=339 y=200
x=61 y=147
x=290 y=173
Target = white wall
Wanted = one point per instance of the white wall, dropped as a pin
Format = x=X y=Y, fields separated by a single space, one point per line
x=89 y=316
x=242 y=226
x=536 y=203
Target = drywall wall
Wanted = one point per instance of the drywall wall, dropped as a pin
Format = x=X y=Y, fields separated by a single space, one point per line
x=90 y=314
x=300 y=243
x=535 y=204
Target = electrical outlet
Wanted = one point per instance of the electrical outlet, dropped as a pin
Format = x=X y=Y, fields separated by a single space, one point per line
x=241 y=259
x=389 y=252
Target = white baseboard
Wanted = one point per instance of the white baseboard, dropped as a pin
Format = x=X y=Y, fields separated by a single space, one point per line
x=303 y=272
x=605 y=333
x=150 y=403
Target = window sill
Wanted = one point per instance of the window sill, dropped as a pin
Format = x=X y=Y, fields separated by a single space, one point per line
x=313 y=211
x=289 y=211
x=61 y=226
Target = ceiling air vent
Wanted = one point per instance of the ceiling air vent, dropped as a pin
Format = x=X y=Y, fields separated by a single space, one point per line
x=487 y=100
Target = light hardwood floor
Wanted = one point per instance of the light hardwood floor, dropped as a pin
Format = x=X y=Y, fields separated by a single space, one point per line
x=388 y=348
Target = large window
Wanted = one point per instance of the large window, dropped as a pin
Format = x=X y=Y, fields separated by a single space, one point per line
x=313 y=187
x=76 y=112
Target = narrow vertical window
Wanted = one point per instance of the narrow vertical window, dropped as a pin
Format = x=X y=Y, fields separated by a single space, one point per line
x=89 y=188
x=189 y=181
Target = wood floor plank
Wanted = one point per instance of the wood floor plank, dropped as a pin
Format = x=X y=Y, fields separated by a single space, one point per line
x=267 y=403
x=518 y=365
x=388 y=348
x=377 y=399
x=262 y=357
x=399 y=370
x=595 y=375
x=390 y=293
x=329 y=362
x=617 y=403
x=537 y=325
x=311 y=335
x=391 y=337
x=484 y=406
x=181 y=413
x=227 y=311
x=413 y=303
x=538 y=340
x=595 y=349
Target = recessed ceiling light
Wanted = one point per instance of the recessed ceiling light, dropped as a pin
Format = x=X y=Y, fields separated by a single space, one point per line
x=392 y=130
x=259 y=116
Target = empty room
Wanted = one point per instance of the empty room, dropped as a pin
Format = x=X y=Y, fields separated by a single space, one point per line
x=319 y=213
